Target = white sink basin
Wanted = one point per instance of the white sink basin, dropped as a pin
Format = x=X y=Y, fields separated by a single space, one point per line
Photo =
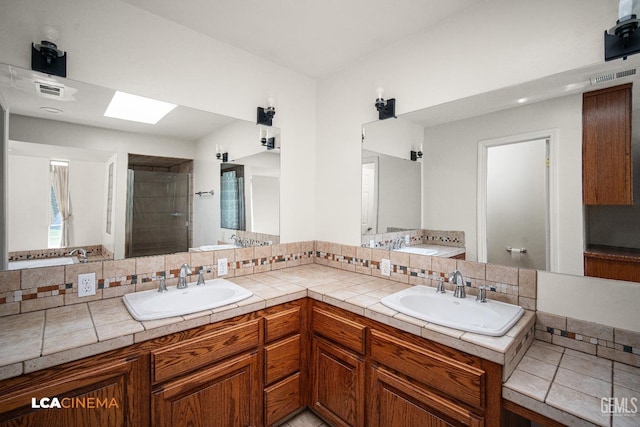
x=490 y=318
x=151 y=305
x=217 y=247
x=419 y=251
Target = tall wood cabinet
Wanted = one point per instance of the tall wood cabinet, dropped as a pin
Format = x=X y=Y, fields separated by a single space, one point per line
x=606 y=146
x=106 y=390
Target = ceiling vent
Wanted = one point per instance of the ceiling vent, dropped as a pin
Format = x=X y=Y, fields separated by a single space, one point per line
x=49 y=90
x=612 y=76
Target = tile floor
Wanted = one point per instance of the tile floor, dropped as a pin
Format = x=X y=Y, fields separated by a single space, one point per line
x=305 y=418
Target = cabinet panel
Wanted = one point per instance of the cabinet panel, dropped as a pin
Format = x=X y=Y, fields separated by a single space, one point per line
x=457 y=379
x=282 y=359
x=338 y=384
x=343 y=331
x=186 y=356
x=282 y=324
x=110 y=394
x=225 y=395
x=606 y=147
x=282 y=399
x=611 y=269
x=395 y=402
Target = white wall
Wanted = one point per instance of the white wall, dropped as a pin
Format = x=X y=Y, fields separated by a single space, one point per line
x=451 y=180
x=494 y=44
x=114 y=44
x=29 y=195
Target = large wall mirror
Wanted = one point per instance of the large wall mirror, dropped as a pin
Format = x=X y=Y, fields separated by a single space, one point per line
x=504 y=168
x=124 y=188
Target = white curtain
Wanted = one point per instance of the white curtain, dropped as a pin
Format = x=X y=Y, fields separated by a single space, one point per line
x=60 y=184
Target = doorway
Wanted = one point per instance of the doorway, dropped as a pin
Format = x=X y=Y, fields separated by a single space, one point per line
x=514 y=197
x=369 y=221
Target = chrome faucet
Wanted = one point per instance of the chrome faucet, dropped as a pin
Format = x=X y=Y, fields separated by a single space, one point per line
x=458 y=280
x=81 y=252
x=235 y=240
x=182 y=277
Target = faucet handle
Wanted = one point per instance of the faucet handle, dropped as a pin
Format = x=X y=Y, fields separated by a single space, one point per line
x=482 y=294
x=440 y=288
x=200 y=278
x=163 y=285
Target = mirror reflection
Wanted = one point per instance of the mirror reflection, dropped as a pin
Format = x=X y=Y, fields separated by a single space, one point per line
x=514 y=207
x=115 y=188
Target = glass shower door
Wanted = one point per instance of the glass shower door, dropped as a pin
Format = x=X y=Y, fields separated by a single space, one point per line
x=157 y=213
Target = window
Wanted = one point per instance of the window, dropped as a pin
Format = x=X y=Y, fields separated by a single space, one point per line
x=59 y=204
x=232 y=214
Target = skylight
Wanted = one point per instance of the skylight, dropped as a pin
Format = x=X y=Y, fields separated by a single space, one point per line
x=137 y=108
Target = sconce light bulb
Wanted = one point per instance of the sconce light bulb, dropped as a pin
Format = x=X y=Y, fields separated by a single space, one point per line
x=270 y=102
x=217 y=149
x=379 y=92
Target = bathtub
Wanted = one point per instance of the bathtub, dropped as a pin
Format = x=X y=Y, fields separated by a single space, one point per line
x=42 y=262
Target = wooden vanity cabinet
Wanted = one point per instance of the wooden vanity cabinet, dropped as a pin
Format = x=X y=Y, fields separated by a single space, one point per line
x=106 y=390
x=367 y=373
x=606 y=147
x=223 y=381
x=337 y=367
x=284 y=353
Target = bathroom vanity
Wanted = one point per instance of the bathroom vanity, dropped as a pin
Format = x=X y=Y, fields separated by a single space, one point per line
x=260 y=361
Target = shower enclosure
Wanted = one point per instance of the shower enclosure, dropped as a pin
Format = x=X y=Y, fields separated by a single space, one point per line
x=157 y=213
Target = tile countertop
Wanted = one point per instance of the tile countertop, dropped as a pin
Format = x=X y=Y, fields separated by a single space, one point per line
x=41 y=339
x=569 y=386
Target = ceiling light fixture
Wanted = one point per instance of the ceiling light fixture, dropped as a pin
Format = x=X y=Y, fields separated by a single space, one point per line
x=137 y=108
x=51 y=110
x=386 y=110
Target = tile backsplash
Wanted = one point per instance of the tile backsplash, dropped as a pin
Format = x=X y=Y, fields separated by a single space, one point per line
x=34 y=289
x=416 y=237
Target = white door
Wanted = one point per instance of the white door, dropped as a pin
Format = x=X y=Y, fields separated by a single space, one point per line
x=369 y=222
x=517 y=204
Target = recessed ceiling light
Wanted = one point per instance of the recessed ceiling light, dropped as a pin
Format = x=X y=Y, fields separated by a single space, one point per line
x=522 y=100
x=51 y=110
x=137 y=108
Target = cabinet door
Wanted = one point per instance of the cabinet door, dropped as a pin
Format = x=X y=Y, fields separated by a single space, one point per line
x=395 y=402
x=338 y=384
x=109 y=395
x=224 y=395
x=606 y=147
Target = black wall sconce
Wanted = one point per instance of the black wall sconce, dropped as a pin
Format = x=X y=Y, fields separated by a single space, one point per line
x=269 y=143
x=415 y=155
x=46 y=57
x=386 y=110
x=265 y=115
x=622 y=40
x=224 y=157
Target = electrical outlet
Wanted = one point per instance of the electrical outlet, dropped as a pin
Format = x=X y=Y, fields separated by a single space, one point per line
x=223 y=268
x=385 y=267
x=372 y=243
x=86 y=284
x=407 y=239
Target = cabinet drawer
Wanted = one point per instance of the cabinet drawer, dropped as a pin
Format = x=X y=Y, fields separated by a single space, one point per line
x=282 y=324
x=194 y=353
x=282 y=359
x=343 y=331
x=459 y=380
x=281 y=399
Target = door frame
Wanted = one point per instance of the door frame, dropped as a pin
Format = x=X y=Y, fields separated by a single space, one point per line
x=553 y=235
x=375 y=160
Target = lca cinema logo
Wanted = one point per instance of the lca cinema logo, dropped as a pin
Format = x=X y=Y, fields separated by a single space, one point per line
x=619 y=405
x=74 y=403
